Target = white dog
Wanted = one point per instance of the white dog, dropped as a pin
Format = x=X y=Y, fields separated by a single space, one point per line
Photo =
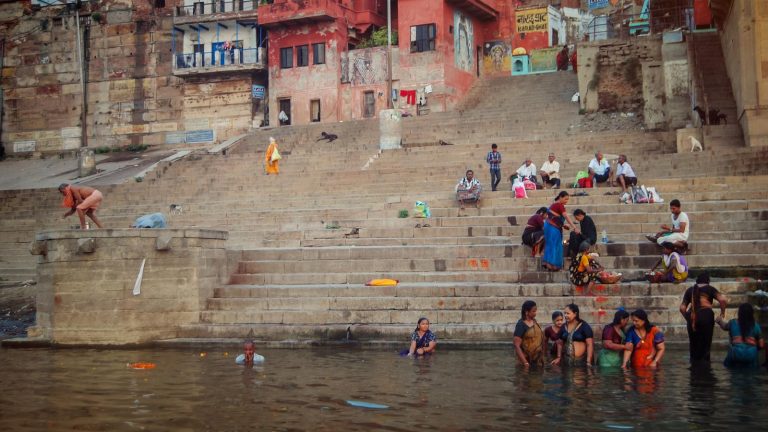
x=695 y=144
x=176 y=209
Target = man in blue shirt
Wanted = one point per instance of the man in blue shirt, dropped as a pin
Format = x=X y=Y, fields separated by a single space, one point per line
x=494 y=161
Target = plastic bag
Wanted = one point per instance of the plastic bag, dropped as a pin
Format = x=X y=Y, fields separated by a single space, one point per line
x=153 y=220
x=654 y=196
x=639 y=196
x=529 y=185
x=580 y=175
x=625 y=198
x=421 y=210
x=519 y=188
x=275 y=156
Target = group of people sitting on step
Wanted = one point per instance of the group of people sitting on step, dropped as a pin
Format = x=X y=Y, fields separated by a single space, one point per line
x=468 y=189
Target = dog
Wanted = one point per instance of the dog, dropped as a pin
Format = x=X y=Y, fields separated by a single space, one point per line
x=176 y=209
x=695 y=144
x=713 y=117
x=326 y=136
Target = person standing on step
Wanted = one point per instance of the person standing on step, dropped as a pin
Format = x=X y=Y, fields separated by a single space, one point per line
x=625 y=175
x=697 y=310
x=550 y=172
x=676 y=234
x=599 y=169
x=494 y=162
x=272 y=158
x=81 y=199
x=468 y=190
x=553 y=232
x=588 y=233
x=530 y=343
x=562 y=59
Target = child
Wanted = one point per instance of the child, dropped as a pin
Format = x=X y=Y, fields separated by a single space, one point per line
x=552 y=331
x=249 y=357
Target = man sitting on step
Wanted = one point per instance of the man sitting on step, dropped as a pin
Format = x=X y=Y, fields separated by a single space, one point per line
x=599 y=169
x=527 y=171
x=550 y=172
x=676 y=234
x=468 y=190
x=625 y=175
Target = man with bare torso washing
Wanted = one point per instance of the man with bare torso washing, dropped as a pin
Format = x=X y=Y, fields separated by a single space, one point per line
x=81 y=199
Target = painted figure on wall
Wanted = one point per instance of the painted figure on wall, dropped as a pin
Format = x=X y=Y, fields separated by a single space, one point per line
x=463 y=41
x=496 y=57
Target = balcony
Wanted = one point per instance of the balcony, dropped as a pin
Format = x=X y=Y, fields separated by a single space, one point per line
x=298 y=12
x=215 y=10
x=219 y=61
x=482 y=9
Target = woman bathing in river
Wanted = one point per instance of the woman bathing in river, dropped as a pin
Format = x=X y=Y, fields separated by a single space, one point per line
x=576 y=346
x=423 y=341
x=529 y=338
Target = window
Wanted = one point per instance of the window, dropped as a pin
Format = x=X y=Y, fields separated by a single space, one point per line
x=286 y=58
x=314 y=110
x=318 y=53
x=302 y=55
x=423 y=38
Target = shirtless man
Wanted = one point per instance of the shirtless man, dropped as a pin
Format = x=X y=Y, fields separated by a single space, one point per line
x=81 y=199
x=697 y=310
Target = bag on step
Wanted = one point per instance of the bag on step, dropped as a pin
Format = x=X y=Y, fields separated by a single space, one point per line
x=421 y=210
x=639 y=196
x=519 y=188
x=529 y=185
x=585 y=183
x=654 y=196
x=625 y=198
x=580 y=175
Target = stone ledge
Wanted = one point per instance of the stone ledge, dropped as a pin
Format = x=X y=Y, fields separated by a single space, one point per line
x=131 y=232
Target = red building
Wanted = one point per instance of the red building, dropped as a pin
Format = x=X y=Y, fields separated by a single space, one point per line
x=317 y=73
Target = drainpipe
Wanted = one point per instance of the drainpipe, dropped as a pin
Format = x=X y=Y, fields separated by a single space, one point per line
x=83 y=138
x=389 y=54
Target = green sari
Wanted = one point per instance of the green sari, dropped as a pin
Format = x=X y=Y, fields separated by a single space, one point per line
x=607 y=357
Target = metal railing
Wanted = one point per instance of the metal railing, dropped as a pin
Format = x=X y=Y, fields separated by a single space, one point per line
x=623 y=25
x=219 y=59
x=216 y=6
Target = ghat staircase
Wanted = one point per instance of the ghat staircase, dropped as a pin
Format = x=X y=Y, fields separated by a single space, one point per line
x=303 y=244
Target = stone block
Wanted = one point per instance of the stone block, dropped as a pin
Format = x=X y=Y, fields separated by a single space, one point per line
x=86 y=245
x=163 y=242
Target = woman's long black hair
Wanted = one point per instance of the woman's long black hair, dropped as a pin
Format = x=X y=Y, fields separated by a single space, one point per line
x=575 y=309
x=746 y=318
x=619 y=315
x=527 y=306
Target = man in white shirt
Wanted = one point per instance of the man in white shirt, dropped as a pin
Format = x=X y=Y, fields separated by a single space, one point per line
x=625 y=175
x=599 y=169
x=527 y=171
x=550 y=172
x=678 y=232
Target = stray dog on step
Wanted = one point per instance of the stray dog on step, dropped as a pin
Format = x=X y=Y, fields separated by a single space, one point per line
x=714 y=115
x=176 y=209
x=695 y=144
x=326 y=136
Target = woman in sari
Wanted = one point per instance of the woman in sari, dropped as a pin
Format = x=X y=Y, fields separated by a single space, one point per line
x=533 y=234
x=673 y=264
x=614 y=341
x=577 y=342
x=645 y=342
x=553 y=232
x=529 y=338
x=272 y=166
x=745 y=337
x=583 y=270
x=551 y=332
x=423 y=341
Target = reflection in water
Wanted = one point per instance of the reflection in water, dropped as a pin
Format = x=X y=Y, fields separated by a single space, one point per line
x=308 y=389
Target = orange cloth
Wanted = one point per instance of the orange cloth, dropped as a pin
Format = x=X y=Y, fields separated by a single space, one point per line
x=69 y=199
x=644 y=349
x=272 y=167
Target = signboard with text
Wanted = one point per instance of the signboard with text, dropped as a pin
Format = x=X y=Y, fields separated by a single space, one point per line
x=531 y=20
x=597 y=4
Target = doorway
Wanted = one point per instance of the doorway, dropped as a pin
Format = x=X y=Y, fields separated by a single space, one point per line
x=479 y=59
x=284 y=116
x=369 y=104
x=314 y=110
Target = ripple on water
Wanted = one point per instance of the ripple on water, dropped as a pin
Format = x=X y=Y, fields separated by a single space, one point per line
x=307 y=390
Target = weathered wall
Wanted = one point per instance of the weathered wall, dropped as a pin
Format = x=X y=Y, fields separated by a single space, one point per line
x=87 y=297
x=677 y=79
x=745 y=46
x=132 y=95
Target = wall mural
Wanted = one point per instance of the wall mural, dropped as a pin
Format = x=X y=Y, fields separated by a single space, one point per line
x=496 y=57
x=463 y=41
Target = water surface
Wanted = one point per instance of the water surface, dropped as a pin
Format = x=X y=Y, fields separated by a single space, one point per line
x=93 y=390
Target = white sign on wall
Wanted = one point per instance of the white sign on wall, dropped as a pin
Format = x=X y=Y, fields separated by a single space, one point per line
x=24 y=146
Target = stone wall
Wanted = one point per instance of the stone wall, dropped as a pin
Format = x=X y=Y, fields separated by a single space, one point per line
x=745 y=47
x=86 y=283
x=132 y=95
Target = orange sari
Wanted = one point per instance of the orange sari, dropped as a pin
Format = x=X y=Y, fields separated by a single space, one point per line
x=644 y=347
x=273 y=167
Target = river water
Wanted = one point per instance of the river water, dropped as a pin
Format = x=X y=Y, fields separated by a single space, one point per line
x=307 y=389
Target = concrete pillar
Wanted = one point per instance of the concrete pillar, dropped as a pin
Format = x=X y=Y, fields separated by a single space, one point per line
x=86 y=162
x=390 y=129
